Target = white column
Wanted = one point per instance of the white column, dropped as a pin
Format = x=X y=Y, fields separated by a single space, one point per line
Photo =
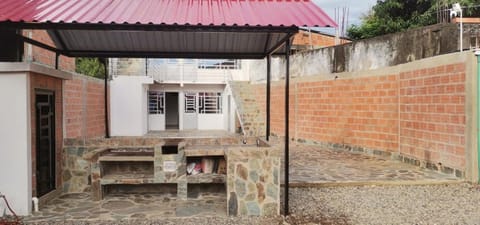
x=15 y=143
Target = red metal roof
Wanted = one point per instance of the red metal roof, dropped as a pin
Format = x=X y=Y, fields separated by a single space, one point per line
x=170 y=12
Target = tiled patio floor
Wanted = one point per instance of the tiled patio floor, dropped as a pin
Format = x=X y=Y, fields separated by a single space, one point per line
x=310 y=166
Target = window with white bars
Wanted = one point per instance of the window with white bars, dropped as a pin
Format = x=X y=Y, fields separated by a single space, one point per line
x=190 y=102
x=156 y=102
x=209 y=103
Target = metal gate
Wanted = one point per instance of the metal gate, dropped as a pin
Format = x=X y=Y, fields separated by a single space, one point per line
x=45 y=142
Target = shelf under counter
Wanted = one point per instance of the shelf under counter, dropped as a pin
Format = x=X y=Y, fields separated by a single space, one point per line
x=126 y=159
x=127 y=179
x=206 y=178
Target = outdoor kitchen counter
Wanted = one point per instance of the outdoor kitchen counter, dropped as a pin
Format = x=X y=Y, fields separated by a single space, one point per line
x=253 y=176
x=252 y=179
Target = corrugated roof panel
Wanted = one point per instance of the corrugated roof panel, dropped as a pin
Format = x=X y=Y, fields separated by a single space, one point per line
x=181 y=12
x=94 y=40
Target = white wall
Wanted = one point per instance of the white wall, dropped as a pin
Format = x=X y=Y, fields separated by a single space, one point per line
x=144 y=107
x=128 y=105
x=156 y=122
x=230 y=114
x=15 y=143
x=241 y=74
x=204 y=121
x=211 y=122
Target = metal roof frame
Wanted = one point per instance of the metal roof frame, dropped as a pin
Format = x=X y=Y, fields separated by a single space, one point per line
x=273 y=38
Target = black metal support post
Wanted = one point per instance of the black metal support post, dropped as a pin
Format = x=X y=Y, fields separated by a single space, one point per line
x=107 y=129
x=57 y=57
x=267 y=133
x=20 y=46
x=287 y=136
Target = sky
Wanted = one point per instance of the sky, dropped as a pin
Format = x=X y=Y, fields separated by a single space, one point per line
x=357 y=8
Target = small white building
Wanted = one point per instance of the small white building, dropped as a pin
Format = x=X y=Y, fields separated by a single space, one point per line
x=148 y=95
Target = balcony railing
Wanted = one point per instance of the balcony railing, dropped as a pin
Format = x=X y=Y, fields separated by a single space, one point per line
x=176 y=70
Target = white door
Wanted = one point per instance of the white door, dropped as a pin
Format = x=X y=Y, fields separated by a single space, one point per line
x=190 y=117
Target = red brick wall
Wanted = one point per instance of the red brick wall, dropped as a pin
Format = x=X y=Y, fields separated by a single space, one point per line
x=46 y=57
x=84 y=107
x=316 y=39
x=42 y=82
x=420 y=113
x=432 y=114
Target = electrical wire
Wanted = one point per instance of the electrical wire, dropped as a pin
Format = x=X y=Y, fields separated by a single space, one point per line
x=5 y=221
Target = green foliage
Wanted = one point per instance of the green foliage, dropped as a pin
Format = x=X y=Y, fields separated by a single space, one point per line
x=389 y=16
x=90 y=66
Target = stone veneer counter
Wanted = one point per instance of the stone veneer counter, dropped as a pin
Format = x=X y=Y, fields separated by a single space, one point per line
x=252 y=180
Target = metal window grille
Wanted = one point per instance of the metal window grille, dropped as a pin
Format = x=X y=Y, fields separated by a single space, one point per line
x=229 y=64
x=210 y=103
x=190 y=103
x=156 y=102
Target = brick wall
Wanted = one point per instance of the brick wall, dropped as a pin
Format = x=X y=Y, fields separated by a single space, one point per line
x=316 y=39
x=42 y=82
x=419 y=114
x=43 y=56
x=84 y=107
x=432 y=114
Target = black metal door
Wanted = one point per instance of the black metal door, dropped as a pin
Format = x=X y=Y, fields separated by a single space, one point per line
x=45 y=135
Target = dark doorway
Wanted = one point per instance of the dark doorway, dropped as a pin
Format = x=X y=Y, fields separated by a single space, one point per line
x=171 y=111
x=45 y=135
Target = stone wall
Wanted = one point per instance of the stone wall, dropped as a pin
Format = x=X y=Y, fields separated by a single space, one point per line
x=415 y=112
x=179 y=176
x=76 y=163
x=253 y=181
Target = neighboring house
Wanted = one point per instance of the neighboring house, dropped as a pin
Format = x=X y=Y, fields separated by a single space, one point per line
x=172 y=94
x=308 y=39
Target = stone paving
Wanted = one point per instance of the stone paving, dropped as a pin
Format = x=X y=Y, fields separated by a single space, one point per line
x=80 y=206
x=310 y=166
x=316 y=166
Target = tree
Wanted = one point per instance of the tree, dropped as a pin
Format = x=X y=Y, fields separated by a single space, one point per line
x=90 y=66
x=389 y=16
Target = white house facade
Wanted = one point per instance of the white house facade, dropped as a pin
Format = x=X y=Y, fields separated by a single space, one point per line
x=149 y=95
